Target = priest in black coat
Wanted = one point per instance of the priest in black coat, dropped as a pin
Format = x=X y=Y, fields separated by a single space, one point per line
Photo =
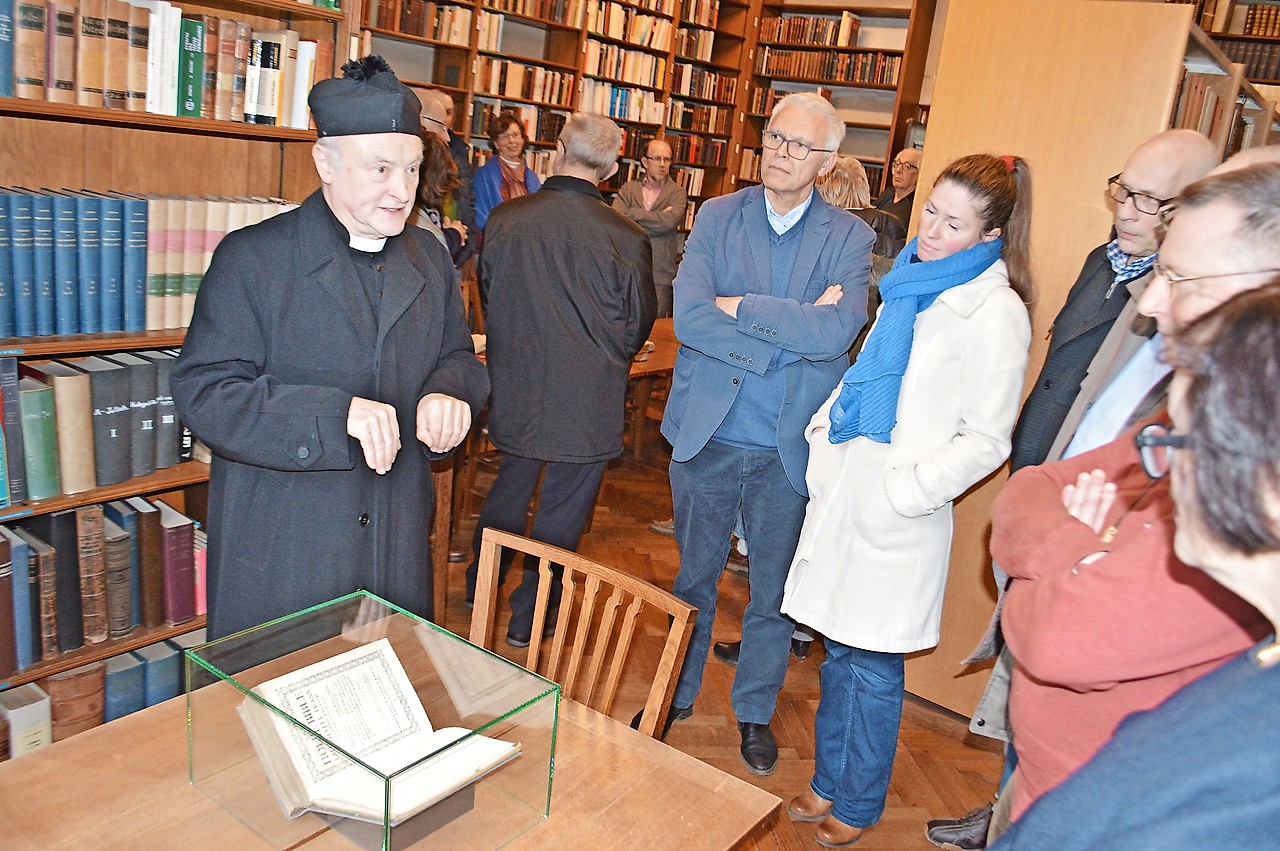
x=327 y=363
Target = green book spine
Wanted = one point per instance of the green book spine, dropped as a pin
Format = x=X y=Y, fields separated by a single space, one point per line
x=39 y=439
x=191 y=68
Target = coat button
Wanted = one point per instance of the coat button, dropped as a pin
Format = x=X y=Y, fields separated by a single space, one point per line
x=364 y=519
x=303 y=452
x=735 y=381
x=1048 y=384
x=750 y=361
x=981 y=723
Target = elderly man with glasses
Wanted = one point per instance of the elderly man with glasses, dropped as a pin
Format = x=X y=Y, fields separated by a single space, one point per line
x=658 y=204
x=900 y=194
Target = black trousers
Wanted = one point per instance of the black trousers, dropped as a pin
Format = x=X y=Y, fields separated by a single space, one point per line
x=565 y=502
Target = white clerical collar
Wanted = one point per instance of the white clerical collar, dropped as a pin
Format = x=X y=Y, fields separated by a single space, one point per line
x=364 y=243
x=783 y=222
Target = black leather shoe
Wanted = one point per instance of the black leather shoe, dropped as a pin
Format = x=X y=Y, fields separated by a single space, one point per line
x=675 y=713
x=759 y=750
x=727 y=651
x=967 y=832
x=800 y=647
x=521 y=639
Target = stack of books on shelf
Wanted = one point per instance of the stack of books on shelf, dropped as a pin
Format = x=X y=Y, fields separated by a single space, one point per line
x=1200 y=107
x=505 y=78
x=699 y=118
x=698 y=149
x=624 y=23
x=540 y=123
x=690 y=179
x=541 y=161
x=621 y=102
x=80 y=262
x=695 y=44
x=567 y=12
x=96 y=573
x=75 y=424
x=764 y=98
x=1262 y=20
x=690 y=81
x=702 y=13
x=813 y=29
x=629 y=66
x=1261 y=59
x=148 y=56
x=871 y=67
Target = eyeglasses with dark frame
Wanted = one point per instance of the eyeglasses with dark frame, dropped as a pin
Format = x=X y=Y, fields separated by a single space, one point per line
x=898 y=165
x=797 y=150
x=656 y=159
x=1161 y=272
x=1142 y=202
x=1156 y=445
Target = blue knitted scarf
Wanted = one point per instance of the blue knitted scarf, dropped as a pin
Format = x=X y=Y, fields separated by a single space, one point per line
x=868 y=400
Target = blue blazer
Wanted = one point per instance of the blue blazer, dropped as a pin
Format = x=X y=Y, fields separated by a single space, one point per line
x=727 y=254
x=488 y=194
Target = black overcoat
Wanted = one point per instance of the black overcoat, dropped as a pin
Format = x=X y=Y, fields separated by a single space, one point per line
x=282 y=338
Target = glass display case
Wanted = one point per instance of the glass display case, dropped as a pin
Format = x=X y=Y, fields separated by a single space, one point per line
x=359 y=718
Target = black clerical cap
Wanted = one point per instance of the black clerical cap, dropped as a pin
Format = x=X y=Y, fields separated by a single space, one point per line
x=368 y=98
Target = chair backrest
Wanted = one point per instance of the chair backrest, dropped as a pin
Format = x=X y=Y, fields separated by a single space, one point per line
x=597 y=618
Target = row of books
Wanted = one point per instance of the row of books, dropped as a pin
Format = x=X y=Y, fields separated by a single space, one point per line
x=691 y=81
x=621 y=102
x=567 y=12
x=146 y=56
x=862 y=67
x=615 y=20
x=627 y=66
x=698 y=149
x=437 y=21
x=540 y=160
x=75 y=424
x=690 y=179
x=1261 y=59
x=1262 y=20
x=699 y=118
x=695 y=44
x=541 y=123
x=813 y=29
x=80 y=262
x=1243 y=128
x=703 y=13
x=51 y=709
x=505 y=78
x=1200 y=107
x=86 y=575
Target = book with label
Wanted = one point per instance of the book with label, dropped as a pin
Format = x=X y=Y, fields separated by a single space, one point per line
x=26 y=708
x=117 y=557
x=91 y=53
x=93 y=573
x=6 y=263
x=168 y=431
x=111 y=425
x=6 y=52
x=26 y=601
x=66 y=264
x=177 y=533
x=30 y=51
x=11 y=411
x=122 y=514
x=89 y=260
x=77 y=699
x=134 y=259
x=115 y=77
x=8 y=634
x=43 y=565
x=39 y=439
x=42 y=260
x=73 y=420
x=61 y=62
x=160 y=676
x=111 y=258
x=139 y=44
x=142 y=410
x=22 y=253
x=263 y=83
x=150 y=560
x=58 y=530
x=191 y=68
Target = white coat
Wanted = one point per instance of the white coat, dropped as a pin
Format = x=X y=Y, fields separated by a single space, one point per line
x=871 y=566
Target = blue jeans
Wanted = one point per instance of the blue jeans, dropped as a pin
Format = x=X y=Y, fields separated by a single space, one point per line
x=856 y=731
x=708 y=491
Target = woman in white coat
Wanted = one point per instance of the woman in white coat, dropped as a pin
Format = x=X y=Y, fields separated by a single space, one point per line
x=923 y=414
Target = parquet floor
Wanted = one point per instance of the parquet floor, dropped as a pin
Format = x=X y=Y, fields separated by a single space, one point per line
x=941 y=769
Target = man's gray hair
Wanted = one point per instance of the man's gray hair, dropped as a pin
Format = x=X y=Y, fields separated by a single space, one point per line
x=1255 y=192
x=591 y=141
x=815 y=104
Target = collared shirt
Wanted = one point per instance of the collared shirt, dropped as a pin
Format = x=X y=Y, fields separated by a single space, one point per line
x=1109 y=414
x=781 y=223
x=1126 y=267
x=650 y=190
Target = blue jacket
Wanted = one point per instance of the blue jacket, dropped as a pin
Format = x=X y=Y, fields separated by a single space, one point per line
x=488 y=182
x=727 y=254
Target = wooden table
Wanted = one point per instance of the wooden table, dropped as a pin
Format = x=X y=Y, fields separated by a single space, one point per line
x=124 y=785
x=660 y=363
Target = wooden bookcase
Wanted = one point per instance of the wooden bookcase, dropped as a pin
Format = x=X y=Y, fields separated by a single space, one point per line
x=51 y=145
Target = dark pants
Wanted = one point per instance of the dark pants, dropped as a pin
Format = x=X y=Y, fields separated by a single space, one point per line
x=568 y=494
x=709 y=491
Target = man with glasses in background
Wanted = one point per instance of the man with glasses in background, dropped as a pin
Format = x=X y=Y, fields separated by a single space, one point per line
x=768 y=298
x=658 y=204
x=900 y=194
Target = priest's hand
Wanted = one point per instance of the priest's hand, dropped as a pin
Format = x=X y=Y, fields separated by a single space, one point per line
x=443 y=421
x=374 y=424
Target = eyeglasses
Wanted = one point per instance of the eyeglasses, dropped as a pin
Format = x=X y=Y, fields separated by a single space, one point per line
x=1160 y=271
x=1155 y=449
x=514 y=135
x=656 y=159
x=903 y=166
x=773 y=140
x=1142 y=202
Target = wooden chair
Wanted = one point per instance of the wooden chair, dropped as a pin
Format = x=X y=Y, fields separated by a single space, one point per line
x=590 y=638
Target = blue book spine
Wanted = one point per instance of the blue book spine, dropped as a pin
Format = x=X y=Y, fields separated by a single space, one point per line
x=66 y=274
x=127 y=519
x=135 y=264
x=6 y=266
x=112 y=255
x=42 y=239
x=28 y=646
x=6 y=48
x=22 y=239
x=89 y=261
x=126 y=686
x=160 y=675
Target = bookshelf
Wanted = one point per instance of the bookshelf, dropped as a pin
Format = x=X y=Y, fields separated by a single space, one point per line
x=58 y=145
x=867 y=59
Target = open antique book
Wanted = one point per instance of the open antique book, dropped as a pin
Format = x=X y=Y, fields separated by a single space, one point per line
x=361 y=701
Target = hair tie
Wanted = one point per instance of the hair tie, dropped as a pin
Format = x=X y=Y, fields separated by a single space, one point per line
x=1008 y=161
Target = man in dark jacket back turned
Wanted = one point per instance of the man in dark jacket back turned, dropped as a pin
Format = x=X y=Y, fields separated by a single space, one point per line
x=571 y=300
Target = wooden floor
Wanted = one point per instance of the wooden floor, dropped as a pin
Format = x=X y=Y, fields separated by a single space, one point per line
x=941 y=769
